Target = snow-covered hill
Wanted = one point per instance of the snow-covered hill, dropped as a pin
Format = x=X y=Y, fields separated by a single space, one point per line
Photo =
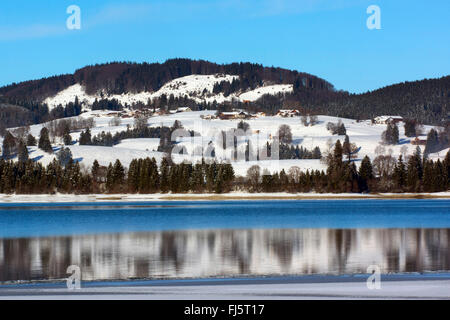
x=257 y=93
x=196 y=87
x=365 y=135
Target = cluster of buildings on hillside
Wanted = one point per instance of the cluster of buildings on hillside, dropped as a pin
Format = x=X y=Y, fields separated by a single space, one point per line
x=234 y=115
x=229 y=115
x=241 y=114
x=288 y=113
x=142 y=112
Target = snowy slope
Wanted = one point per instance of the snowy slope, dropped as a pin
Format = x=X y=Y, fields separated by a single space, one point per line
x=254 y=95
x=196 y=87
x=68 y=95
x=367 y=136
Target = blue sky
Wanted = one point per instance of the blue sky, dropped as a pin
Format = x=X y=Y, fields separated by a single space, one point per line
x=327 y=38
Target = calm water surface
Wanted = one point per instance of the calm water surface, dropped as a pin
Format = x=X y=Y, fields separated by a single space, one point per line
x=234 y=238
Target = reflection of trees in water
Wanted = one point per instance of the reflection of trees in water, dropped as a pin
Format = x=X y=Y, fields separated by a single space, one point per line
x=17 y=253
x=341 y=241
x=200 y=253
x=172 y=249
x=392 y=258
x=282 y=243
x=211 y=238
x=241 y=250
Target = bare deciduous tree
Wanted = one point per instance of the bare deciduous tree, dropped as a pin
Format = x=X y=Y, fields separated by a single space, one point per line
x=253 y=178
x=313 y=119
x=140 y=122
x=384 y=165
x=21 y=132
x=285 y=133
x=115 y=122
x=304 y=120
x=294 y=174
x=380 y=150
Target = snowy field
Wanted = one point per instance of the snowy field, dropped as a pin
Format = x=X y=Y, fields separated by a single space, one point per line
x=365 y=135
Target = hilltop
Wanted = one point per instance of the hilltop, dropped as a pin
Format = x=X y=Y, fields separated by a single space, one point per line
x=203 y=85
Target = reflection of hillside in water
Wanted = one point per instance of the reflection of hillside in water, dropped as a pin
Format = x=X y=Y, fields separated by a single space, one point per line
x=205 y=253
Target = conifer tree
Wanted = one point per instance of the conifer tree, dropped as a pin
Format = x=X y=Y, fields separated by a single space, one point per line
x=391 y=135
x=95 y=173
x=366 y=169
x=143 y=175
x=337 y=154
x=118 y=174
x=428 y=177
x=44 y=141
x=67 y=138
x=133 y=176
x=432 y=142
x=228 y=176
x=446 y=168
x=316 y=153
x=109 y=178
x=85 y=137
x=365 y=173
x=174 y=179
x=439 y=177
x=351 y=177
x=414 y=172
x=211 y=173
x=341 y=130
x=267 y=184
x=154 y=176
x=64 y=156
x=31 y=140
x=410 y=128
x=164 y=170
x=9 y=145
x=22 y=152
x=95 y=169
x=197 y=179
x=8 y=180
x=399 y=175
x=338 y=173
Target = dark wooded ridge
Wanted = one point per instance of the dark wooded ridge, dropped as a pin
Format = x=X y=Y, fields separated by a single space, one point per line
x=426 y=101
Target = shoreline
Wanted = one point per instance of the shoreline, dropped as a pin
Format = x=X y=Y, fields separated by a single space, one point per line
x=393 y=286
x=62 y=198
x=238 y=279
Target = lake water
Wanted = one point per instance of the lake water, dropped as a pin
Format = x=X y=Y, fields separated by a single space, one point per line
x=222 y=239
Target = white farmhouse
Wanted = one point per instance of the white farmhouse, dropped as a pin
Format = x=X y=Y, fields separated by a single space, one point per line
x=388 y=119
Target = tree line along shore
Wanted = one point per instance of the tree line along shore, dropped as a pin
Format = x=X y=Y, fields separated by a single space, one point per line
x=415 y=174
